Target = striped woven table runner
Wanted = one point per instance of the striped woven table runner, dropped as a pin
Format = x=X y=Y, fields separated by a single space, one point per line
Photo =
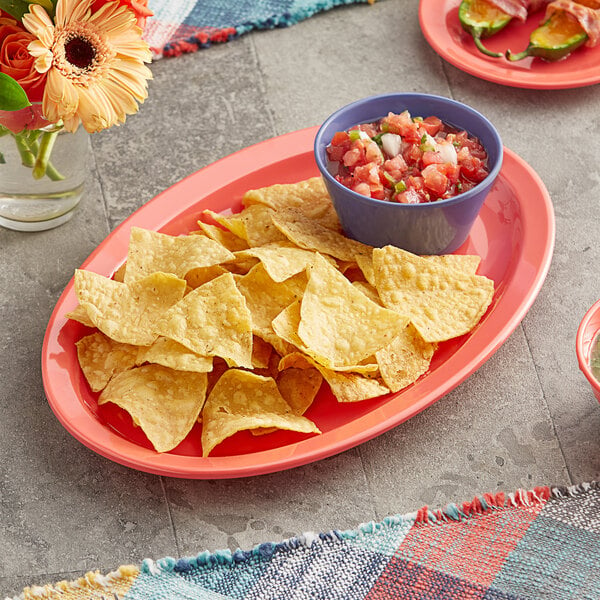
x=538 y=544
x=186 y=25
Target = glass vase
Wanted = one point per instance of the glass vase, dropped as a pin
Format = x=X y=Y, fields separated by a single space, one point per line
x=35 y=195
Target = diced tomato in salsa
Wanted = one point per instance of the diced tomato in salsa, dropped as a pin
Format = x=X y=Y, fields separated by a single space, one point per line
x=432 y=158
x=432 y=125
x=434 y=161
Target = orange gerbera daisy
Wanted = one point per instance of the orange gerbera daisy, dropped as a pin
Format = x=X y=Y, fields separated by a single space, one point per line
x=94 y=63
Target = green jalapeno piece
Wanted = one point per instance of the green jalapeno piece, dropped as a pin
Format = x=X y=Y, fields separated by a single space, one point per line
x=482 y=19
x=554 y=39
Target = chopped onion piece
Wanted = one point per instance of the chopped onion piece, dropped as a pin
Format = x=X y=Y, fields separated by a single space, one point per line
x=391 y=143
x=447 y=152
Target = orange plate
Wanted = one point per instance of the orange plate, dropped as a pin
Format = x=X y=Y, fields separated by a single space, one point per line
x=514 y=235
x=442 y=29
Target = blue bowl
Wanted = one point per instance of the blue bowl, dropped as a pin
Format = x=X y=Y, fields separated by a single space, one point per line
x=430 y=228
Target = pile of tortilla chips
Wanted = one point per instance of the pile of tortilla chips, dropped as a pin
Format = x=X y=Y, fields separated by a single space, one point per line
x=237 y=324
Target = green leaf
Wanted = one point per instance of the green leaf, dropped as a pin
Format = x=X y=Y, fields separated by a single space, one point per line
x=47 y=4
x=17 y=8
x=12 y=95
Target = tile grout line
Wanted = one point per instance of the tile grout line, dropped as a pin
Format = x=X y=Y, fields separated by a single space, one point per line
x=170 y=514
x=269 y=108
x=447 y=77
x=100 y=184
x=368 y=480
x=545 y=401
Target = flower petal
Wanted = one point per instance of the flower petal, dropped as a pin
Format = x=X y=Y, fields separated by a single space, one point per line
x=43 y=55
x=38 y=22
x=71 y=123
x=60 y=97
x=95 y=109
x=70 y=11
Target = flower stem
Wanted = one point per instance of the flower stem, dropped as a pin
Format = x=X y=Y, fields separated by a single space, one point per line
x=43 y=156
x=51 y=171
x=27 y=156
x=32 y=137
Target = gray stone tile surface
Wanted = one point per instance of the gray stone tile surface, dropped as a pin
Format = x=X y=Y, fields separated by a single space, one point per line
x=241 y=513
x=526 y=417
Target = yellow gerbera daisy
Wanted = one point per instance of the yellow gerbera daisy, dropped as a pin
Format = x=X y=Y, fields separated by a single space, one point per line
x=94 y=60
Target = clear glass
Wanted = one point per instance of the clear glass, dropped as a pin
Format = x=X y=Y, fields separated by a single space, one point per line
x=30 y=204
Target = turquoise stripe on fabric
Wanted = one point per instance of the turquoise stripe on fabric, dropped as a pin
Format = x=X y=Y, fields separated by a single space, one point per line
x=166 y=585
x=384 y=538
x=245 y=15
x=553 y=560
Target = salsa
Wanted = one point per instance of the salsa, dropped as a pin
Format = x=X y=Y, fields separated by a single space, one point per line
x=408 y=159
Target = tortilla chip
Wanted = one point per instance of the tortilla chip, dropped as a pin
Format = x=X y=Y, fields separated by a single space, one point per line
x=404 y=360
x=241 y=265
x=151 y=252
x=310 y=235
x=299 y=387
x=261 y=353
x=231 y=222
x=469 y=263
x=350 y=270
x=309 y=196
x=212 y=320
x=241 y=400
x=346 y=386
x=442 y=303
x=368 y=290
x=226 y=238
x=281 y=260
x=266 y=298
x=338 y=323
x=281 y=346
x=80 y=315
x=165 y=403
x=286 y=326
x=253 y=224
x=201 y=275
x=296 y=360
x=352 y=387
x=172 y=354
x=101 y=358
x=219 y=367
x=127 y=313
x=119 y=274
x=365 y=264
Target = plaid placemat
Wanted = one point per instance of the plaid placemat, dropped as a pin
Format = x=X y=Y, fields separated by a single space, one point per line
x=186 y=25
x=538 y=544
